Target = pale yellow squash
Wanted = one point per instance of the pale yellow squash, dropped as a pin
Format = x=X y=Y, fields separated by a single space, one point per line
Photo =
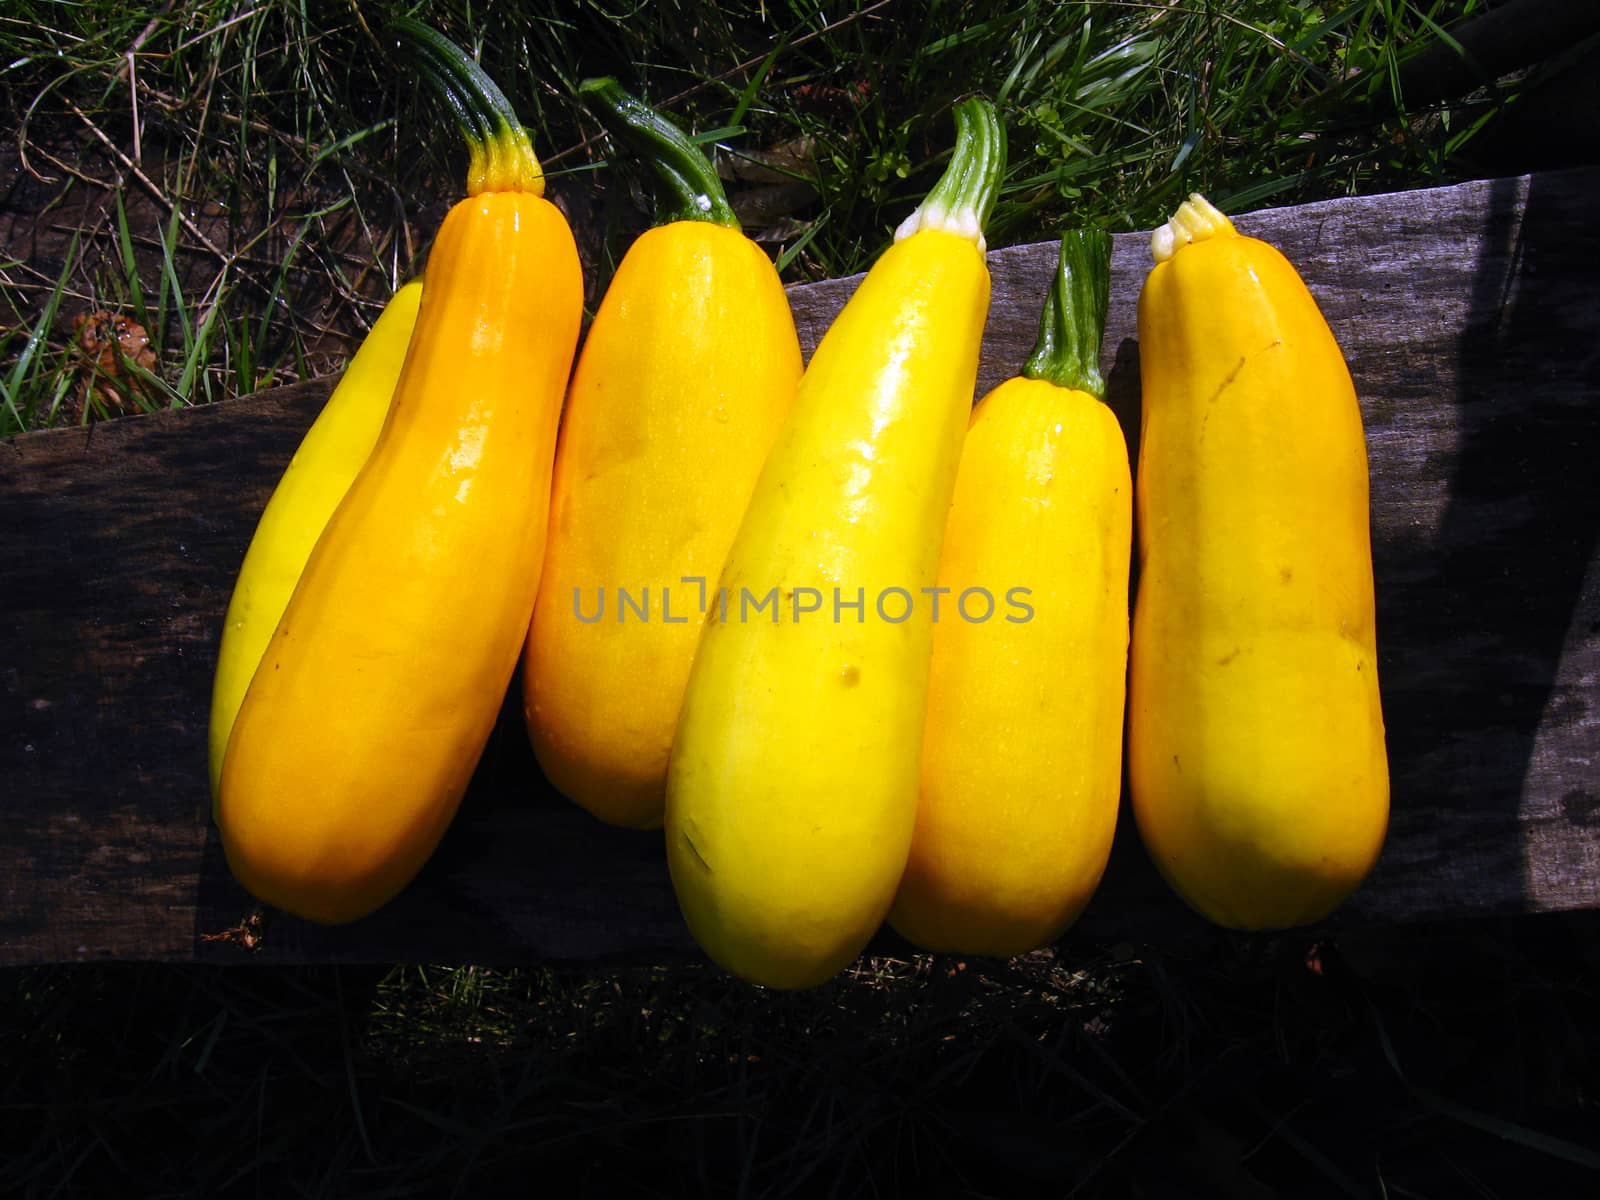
x=316 y=479
x=792 y=786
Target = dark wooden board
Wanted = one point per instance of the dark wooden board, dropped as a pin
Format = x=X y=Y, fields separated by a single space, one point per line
x=1471 y=322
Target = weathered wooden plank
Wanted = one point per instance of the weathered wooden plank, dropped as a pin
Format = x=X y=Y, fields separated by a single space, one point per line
x=1468 y=317
x=113 y=570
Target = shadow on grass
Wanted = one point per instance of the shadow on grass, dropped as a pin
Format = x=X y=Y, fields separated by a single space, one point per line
x=1234 y=1067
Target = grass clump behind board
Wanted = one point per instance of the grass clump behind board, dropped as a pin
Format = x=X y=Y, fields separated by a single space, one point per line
x=246 y=185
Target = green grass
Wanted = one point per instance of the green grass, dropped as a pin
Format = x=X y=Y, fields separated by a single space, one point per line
x=250 y=183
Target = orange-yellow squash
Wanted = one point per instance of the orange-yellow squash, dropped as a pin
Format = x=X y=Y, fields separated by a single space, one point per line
x=1022 y=747
x=792 y=785
x=1256 y=755
x=383 y=679
x=686 y=374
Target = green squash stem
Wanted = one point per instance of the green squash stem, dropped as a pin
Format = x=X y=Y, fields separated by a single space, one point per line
x=1067 y=353
x=688 y=188
x=501 y=157
x=961 y=201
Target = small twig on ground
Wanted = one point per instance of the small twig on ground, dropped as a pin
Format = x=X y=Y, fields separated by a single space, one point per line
x=151 y=186
x=248 y=934
x=145 y=34
x=133 y=103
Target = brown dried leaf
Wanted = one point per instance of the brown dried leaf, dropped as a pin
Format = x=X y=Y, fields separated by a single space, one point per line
x=106 y=344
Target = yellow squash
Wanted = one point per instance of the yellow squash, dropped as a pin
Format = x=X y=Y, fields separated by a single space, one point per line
x=1256 y=753
x=333 y=450
x=792 y=786
x=383 y=679
x=1022 y=749
x=686 y=374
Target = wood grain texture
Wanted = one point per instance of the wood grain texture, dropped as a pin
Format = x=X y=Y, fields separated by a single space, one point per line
x=1469 y=318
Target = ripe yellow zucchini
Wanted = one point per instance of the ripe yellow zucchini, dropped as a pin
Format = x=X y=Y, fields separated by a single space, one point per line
x=381 y=683
x=1022 y=749
x=1256 y=755
x=686 y=374
x=792 y=785
x=333 y=450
